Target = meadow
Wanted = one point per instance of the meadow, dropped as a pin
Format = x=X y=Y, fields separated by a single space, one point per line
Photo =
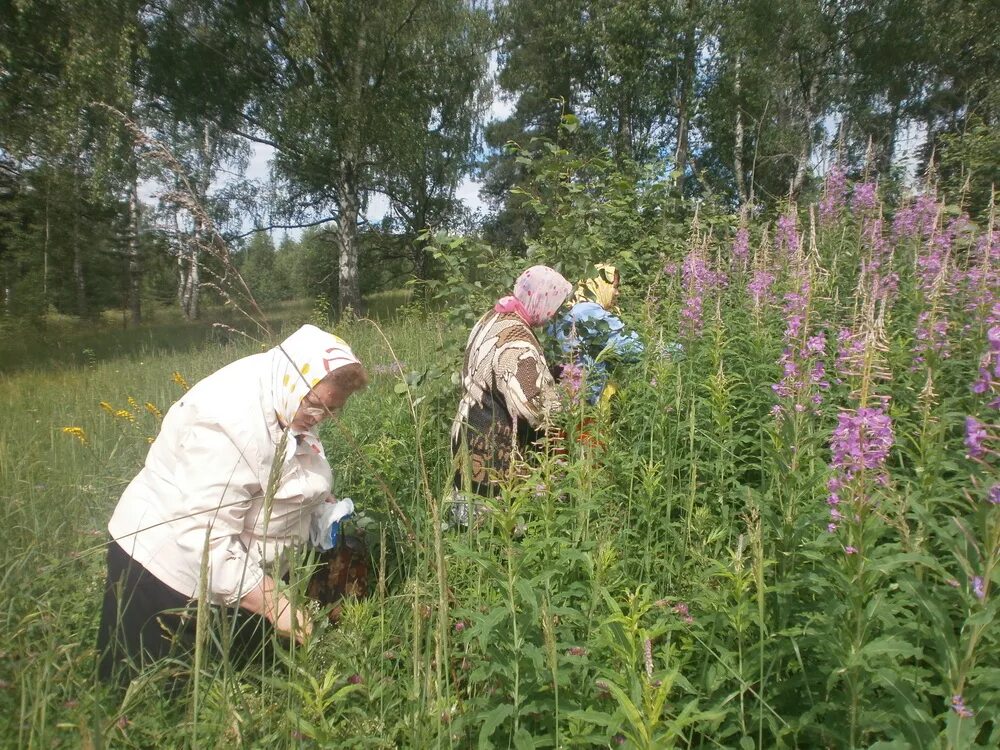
x=787 y=535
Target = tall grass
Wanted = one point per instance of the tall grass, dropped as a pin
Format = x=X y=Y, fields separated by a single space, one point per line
x=675 y=583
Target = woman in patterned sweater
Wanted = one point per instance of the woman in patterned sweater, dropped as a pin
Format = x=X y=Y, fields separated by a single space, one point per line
x=507 y=390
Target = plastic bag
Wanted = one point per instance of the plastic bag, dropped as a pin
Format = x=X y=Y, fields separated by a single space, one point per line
x=324 y=526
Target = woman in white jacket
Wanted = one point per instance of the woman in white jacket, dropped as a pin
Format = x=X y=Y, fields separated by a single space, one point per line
x=230 y=483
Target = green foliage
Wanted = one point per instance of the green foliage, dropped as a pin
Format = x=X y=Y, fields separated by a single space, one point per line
x=970 y=170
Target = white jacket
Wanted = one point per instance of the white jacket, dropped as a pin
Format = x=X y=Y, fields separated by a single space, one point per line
x=200 y=498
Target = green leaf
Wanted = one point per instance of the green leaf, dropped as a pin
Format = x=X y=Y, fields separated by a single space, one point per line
x=491 y=721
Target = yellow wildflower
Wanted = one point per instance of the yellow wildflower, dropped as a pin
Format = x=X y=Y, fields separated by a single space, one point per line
x=133 y=403
x=179 y=379
x=76 y=432
x=125 y=414
x=151 y=408
x=107 y=407
x=150 y=440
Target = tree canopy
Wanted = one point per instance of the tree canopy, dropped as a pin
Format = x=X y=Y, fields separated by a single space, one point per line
x=741 y=102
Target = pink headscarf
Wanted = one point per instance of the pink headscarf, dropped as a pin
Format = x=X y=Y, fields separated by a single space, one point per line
x=538 y=294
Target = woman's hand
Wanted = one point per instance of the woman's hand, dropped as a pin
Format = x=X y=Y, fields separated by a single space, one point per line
x=264 y=600
x=300 y=629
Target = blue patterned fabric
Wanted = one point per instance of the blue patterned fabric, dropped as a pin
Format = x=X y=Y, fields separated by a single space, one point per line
x=595 y=339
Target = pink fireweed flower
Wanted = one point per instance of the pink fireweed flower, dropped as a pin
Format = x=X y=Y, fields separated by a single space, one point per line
x=975 y=436
x=861 y=440
x=834 y=194
x=698 y=279
x=796 y=304
x=850 y=353
x=978 y=588
x=681 y=609
x=803 y=370
x=760 y=288
x=816 y=345
x=931 y=335
x=786 y=235
x=993 y=496
x=860 y=443
x=982 y=279
x=850 y=550
x=741 y=247
x=959 y=707
x=876 y=266
x=917 y=219
x=572 y=379
x=864 y=197
x=989 y=363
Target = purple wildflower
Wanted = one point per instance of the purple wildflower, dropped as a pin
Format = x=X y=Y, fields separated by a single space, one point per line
x=861 y=440
x=850 y=550
x=978 y=588
x=572 y=379
x=741 y=246
x=681 y=609
x=850 y=352
x=796 y=304
x=801 y=363
x=993 y=496
x=816 y=345
x=982 y=278
x=864 y=197
x=931 y=335
x=576 y=651
x=697 y=278
x=786 y=236
x=876 y=265
x=834 y=194
x=918 y=219
x=760 y=288
x=959 y=707
x=975 y=435
x=989 y=364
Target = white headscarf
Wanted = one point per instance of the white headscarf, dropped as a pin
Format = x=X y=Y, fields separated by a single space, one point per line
x=300 y=362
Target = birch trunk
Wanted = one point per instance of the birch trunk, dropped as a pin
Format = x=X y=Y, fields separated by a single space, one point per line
x=687 y=86
x=738 y=135
x=132 y=252
x=79 y=281
x=805 y=154
x=347 y=238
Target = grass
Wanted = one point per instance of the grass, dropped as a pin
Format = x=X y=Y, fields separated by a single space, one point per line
x=674 y=585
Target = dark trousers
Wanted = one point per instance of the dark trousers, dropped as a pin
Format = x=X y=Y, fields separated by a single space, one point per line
x=143 y=621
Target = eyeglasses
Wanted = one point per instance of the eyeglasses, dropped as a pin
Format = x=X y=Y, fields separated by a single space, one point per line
x=314 y=412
